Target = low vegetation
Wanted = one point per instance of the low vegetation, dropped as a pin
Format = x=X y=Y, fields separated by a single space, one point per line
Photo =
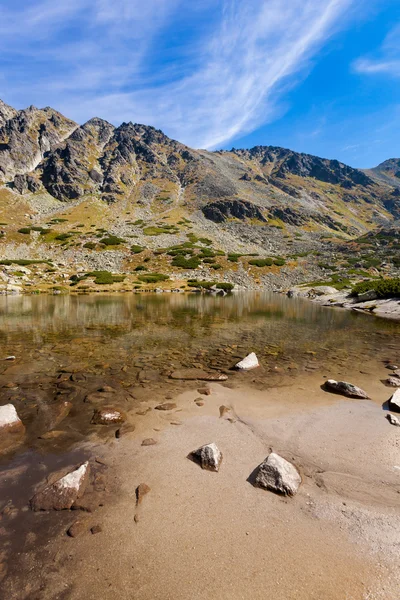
x=384 y=288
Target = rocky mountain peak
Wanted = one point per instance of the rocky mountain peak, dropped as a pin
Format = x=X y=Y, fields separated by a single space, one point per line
x=6 y=112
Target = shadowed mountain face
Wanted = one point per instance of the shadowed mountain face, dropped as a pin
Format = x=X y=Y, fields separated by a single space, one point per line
x=43 y=152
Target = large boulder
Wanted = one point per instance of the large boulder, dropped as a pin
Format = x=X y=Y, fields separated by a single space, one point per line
x=393 y=381
x=393 y=420
x=278 y=475
x=345 y=389
x=394 y=402
x=209 y=457
x=248 y=362
x=62 y=494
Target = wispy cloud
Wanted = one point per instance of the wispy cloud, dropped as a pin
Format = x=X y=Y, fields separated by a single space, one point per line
x=221 y=81
x=386 y=60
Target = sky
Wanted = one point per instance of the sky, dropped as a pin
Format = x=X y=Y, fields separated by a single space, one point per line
x=316 y=76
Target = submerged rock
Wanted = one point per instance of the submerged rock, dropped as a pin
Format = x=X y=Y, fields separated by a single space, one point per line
x=149 y=442
x=346 y=389
x=209 y=457
x=394 y=402
x=166 y=406
x=249 y=362
x=393 y=420
x=193 y=374
x=278 y=475
x=64 y=492
x=107 y=416
x=9 y=420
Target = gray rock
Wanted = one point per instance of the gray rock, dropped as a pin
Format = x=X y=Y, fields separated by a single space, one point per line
x=367 y=296
x=278 y=475
x=393 y=381
x=393 y=420
x=62 y=494
x=394 y=402
x=209 y=457
x=346 y=389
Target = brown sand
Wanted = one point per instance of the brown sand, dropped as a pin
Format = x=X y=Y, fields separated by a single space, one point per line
x=199 y=535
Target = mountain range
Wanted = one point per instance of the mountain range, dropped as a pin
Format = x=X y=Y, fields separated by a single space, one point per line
x=264 y=198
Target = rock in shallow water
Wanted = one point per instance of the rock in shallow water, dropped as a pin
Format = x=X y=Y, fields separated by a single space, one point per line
x=64 y=492
x=346 y=389
x=393 y=381
x=199 y=374
x=278 y=475
x=209 y=457
x=107 y=416
x=394 y=402
x=249 y=362
x=12 y=429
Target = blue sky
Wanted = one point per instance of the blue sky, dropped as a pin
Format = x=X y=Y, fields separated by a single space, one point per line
x=317 y=76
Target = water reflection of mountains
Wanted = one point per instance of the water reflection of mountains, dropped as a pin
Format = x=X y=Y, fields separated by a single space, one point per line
x=260 y=313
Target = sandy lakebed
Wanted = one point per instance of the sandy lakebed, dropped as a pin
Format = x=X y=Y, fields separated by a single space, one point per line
x=197 y=534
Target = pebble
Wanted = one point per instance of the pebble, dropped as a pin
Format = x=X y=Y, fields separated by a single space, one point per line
x=149 y=442
x=166 y=406
x=96 y=529
x=205 y=391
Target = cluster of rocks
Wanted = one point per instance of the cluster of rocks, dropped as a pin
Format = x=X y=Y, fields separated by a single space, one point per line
x=274 y=473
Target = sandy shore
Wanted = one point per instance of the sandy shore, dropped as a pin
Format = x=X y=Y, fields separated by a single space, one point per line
x=213 y=536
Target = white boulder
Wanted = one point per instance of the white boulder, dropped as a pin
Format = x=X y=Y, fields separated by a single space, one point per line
x=394 y=402
x=249 y=362
x=64 y=492
x=278 y=475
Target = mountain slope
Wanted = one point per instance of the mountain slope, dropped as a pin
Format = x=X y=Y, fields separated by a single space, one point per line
x=83 y=193
x=387 y=172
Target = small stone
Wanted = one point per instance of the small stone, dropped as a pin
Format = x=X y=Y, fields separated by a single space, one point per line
x=199 y=374
x=136 y=518
x=393 y=381
x=141 y=491
x=205 y=391
x=64 y=492
x=392 y=367
x=166 y=406
x=278 y=475
x=11 y=385
x=149 y=442
x=11 y=357
x=106 y=389
x=96 y=529
x=199 y=402
x=346 y=389
x=248 y=362
x=393 y=420
x=394 y=402
x=77 y=528
x=107 y=416
x=209 y=457
x=143 y=412
x=223 y=410
x=127 y=428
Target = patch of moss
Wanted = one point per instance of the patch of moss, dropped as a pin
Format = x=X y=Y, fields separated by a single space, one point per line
x=112 y=240
x=153 y=277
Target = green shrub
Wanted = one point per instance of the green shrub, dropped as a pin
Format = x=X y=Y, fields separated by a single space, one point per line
x=279 y=261
x=63 y=236
x=112 y=240
x=23 y=262
x=153 y=277
x=104 y=277
x=24 y=230
x=200 y=284
x=227 y=287
x=137 y=249
x=261 y=262
x=140 y=268
x=153 y=230
x=384 y=288
x=90 y=245
x=215 y=266
x=182 y=263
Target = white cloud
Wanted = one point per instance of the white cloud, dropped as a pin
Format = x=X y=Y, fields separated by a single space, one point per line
x=387 y=60
x=225 y=80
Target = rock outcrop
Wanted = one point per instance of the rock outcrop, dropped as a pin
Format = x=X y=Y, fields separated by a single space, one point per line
x=221 y=210
x=394 y=402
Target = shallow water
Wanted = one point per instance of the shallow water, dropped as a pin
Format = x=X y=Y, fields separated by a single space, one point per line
x=67 y=347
